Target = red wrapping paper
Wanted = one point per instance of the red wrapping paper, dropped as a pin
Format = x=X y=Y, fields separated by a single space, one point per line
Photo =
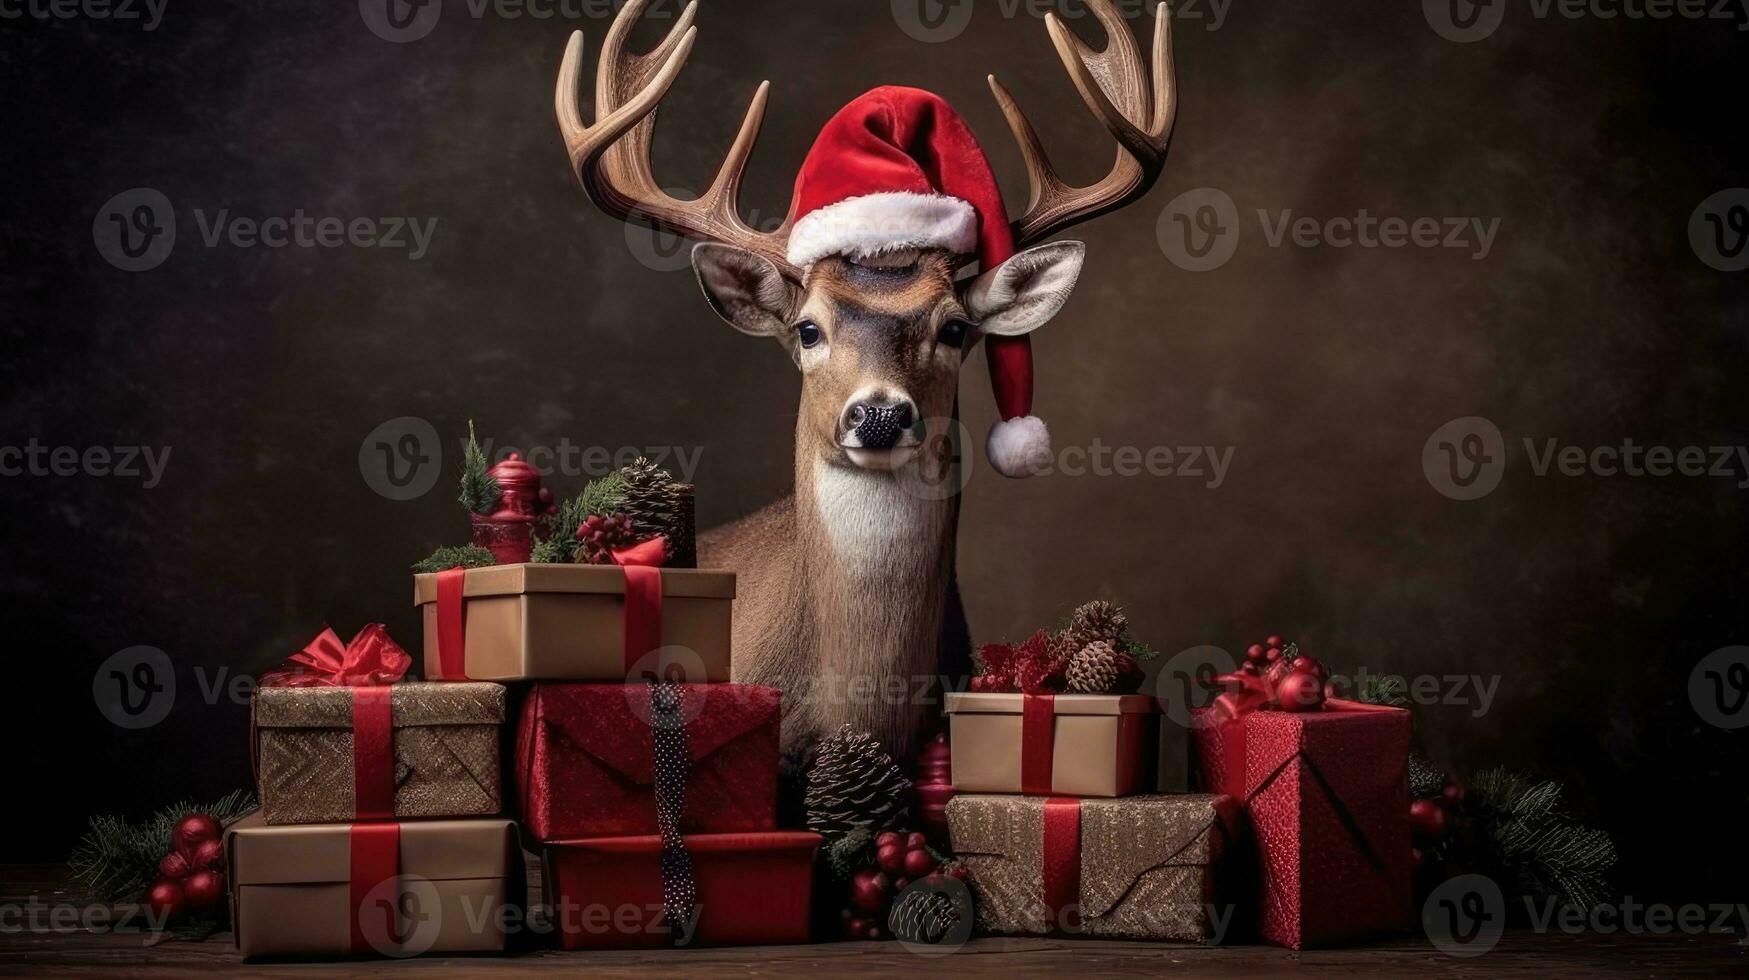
x=584 y=763
x=1327 y=793
x=753 y=889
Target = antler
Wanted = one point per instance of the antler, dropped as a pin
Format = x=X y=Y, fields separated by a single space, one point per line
x=612 y=156
x=1116 y=86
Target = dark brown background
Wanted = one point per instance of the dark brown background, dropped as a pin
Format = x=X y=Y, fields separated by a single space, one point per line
x=1326 y=369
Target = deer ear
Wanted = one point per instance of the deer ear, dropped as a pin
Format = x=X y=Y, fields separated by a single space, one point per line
x=745 y=289
x=1023 y=293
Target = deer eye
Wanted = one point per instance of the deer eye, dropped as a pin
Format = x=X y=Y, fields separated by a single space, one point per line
x=953 y=334
x=808 y=332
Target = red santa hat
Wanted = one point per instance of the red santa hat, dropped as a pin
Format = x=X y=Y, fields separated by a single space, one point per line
x=896 y=169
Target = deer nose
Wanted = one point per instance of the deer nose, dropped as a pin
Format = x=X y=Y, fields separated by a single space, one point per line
x=879 y=425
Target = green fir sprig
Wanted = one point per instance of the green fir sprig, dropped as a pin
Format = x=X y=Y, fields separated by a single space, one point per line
x=556 y=538
x=480 y=492
x=455 y=556
x=1528 y=840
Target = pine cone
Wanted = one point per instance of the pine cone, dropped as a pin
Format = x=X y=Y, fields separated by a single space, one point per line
x=1426 y=780
x=659 y=505
x=1097 y=621
x=1094 y=670
x=925 y=916
x=854 y=783
x=599 y=537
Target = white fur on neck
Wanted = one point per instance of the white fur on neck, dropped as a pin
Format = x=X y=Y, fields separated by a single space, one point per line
x=876 y=528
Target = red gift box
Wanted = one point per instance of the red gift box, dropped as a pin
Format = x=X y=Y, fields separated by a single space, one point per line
x=584 y=760
x=1327 y=793
x=752 y=890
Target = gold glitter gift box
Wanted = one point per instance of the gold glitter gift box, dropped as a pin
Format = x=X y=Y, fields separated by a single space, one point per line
x=445 y=745
x=1136 y=867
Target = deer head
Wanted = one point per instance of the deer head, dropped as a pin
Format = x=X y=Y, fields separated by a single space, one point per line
x=879 y=339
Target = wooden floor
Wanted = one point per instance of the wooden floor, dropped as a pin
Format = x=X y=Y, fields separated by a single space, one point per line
x=79 y=954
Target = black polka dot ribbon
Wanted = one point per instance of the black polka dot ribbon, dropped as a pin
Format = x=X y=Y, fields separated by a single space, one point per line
x=668 y=741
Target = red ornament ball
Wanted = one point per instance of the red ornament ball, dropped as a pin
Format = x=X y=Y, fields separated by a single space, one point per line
x=192 y=830
x=1427 y=819
x=1300 y=692
x=919 y=863
x=890 y=857
x=1274 y=641
x=203 y=890
x=915 y=840
x=1272 y=654
x=869 y=890
x=209 y=855
x=1254 y=652
x=165 y=902
x=173 y=867
x=1310 y=665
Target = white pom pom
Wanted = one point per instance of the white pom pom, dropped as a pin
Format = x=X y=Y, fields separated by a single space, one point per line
x=1019 y=447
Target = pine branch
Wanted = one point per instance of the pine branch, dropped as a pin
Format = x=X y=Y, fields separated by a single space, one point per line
x=850 y=853
x=604 y=496
x=116 y=860
x=1528 y=839
x=480 y=491
x=458 y=556
x=1386 y=689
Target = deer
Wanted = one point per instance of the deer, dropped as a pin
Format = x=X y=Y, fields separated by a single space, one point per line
x=848 y=598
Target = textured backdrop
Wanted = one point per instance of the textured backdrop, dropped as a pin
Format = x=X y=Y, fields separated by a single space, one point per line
x=1319 y=371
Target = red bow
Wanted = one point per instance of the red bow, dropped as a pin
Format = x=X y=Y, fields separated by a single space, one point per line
x=651 y=553
x=1246 y=692
x=371 y=659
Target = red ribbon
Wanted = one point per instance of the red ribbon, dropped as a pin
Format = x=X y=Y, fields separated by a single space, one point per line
x=376 y=858
x=1246 y=692
x=1038 y=719
x=373 y=753
x=643 y=595
x=1062 y=861
x=452 y=661
x=371 y=659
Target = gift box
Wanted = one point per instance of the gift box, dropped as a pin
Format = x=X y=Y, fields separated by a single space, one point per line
x=749 y=890
x=1138 y=867
x=1327 y=795
x=585 y=759
x=1044 y=744
x=390 y=889
x=326 y=754
x=575 y=622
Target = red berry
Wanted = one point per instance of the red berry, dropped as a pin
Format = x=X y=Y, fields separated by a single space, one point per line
x=1299 y=692
x=1427 y=819
x=890 y=857
x=203 y=890
x=1274 y=641
x=164 y=902
x=857 y=928
x=1310 y=665
x=193 y=829
x=173 y=867
x=1272 y=654
x=919 y=863
x=1254 y=652
x=886 y=837
x=869 y=890
x=1453 y=793
x=1416 y=857
x=874 y=932
x=209 y=855
x=915 y=841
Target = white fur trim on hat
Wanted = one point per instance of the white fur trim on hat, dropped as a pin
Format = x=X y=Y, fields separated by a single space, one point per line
x=858 y=227
x=1019 y=447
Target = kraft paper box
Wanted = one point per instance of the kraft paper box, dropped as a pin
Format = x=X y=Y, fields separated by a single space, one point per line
x=292 y=893
x=1097 y=744
x=567 y=623
x=1139 y=867
x=445 y=741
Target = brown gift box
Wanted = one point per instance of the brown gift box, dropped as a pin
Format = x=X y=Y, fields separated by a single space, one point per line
x=1149 y=866
x=1100 y=743
x=291 y=892
x=567 y=622
x=446 y=743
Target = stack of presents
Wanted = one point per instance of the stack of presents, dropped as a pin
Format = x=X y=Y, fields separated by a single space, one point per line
x=583 y=713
